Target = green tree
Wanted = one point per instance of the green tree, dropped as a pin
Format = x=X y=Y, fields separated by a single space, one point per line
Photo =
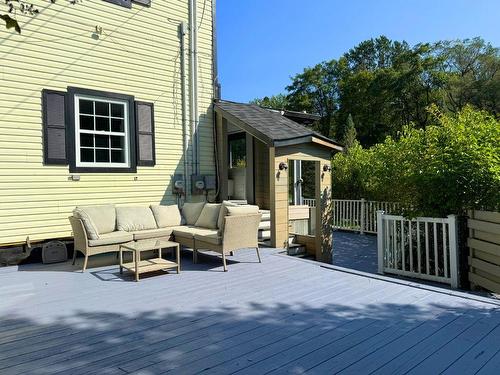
x=471 y=71
x=350 y=134
x=450 y=166
x=278 y=102
x=386 y=85
x=315 y=90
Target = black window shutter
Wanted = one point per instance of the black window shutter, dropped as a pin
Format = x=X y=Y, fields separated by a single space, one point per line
x=145 y=131
x=123 y=3
x=54 y=127
x=143 y=2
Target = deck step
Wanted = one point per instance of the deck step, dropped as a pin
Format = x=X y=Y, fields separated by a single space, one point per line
x=264 y=234
x=266 y=216
x=296 y=249
x=265 y=225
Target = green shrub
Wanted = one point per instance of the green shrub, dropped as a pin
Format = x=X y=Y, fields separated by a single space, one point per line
x=444 y=169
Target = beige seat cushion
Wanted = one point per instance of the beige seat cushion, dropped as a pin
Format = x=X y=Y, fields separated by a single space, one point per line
x=191 y=212
x=134 y=218
x=152 y=233
x=223 y=212
x=213 y=239
x=209 y=216
x=97 y=220
x=189 y=231
x=166 y=216
x=112 y=238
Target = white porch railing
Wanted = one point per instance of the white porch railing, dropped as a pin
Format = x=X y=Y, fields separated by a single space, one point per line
x=424 y=247
x=358 y=214
x=309 y=202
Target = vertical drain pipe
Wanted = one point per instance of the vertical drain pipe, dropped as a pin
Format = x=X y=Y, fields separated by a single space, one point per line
x=193 y=78
x=185 y=143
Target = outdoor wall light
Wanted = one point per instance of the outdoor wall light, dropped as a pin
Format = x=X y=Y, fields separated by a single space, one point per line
x=327 y=168
x=283 y=166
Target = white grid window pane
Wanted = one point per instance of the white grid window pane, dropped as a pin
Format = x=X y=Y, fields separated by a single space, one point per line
x=101 y=132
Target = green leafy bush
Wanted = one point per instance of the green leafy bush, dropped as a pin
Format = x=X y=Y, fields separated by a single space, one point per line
x=443 y=169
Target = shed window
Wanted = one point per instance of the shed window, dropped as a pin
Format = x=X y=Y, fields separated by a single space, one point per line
x=237 y=150
x=101 y=132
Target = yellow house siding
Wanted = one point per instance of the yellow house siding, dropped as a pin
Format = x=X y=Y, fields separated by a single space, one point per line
x=136 y=54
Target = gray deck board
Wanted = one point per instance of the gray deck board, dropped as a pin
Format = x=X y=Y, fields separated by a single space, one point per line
x=282 y=316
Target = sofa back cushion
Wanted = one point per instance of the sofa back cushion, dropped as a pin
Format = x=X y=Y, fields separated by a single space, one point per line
x=223 y=212
x=209 y=216
x=166 y=216
x=97 y=220
x=242 y=210
x=191 y=212
x=134 y=218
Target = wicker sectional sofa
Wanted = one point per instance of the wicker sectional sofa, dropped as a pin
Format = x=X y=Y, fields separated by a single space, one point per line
x=223 y=227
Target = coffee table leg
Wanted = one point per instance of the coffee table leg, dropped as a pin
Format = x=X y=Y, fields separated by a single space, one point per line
x=136 y=258
x=121 y=260
x=178 y=255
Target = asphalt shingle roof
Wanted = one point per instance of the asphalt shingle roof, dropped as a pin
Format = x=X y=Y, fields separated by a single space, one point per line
x=267 y=124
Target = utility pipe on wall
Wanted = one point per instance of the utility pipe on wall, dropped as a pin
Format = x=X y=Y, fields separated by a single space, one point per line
x=185 y=143
x=193 y=79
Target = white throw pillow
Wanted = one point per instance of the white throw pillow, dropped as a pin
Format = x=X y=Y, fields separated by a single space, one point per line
x=191 y=212
x=166 y=216
x=209 y=216
x=134 y=218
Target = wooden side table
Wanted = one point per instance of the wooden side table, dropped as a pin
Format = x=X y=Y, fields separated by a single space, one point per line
x=138 y=266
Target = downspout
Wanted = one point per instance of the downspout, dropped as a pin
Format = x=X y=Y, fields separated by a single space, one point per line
x=217 y=95
x=185 y=142
x=193 y=78
x=215 y=70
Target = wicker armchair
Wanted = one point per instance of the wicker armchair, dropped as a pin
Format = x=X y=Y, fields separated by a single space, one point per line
x=83 y=244
x=239 y=232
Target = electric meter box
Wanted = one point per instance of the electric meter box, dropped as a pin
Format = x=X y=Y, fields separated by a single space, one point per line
x=178 y=184
x=197 y=184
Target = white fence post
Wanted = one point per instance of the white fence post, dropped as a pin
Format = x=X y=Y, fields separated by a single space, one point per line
x=362 y=224
x=380 y=241
x=452 y=225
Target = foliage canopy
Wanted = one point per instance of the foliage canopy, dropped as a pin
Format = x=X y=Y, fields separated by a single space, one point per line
x=386 y=85
x=448 y=167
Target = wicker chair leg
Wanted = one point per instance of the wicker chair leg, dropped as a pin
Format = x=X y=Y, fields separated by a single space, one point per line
x=258 y=254
x=74 y=256
x=85 y=263
x=224 y=261
x=195 y=256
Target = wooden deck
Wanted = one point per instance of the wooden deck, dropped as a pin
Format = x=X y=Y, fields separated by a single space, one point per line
x=282 y=316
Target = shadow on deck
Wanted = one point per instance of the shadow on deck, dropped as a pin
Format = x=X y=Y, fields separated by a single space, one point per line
x=355 y=251
x=282 y=316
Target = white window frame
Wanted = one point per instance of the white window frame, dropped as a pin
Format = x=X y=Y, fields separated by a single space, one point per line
x=78 y=131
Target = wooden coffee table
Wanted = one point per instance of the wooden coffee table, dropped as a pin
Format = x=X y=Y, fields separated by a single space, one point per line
x=138 y=266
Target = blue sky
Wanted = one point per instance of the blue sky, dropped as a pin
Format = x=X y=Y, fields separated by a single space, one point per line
x=262 y=43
